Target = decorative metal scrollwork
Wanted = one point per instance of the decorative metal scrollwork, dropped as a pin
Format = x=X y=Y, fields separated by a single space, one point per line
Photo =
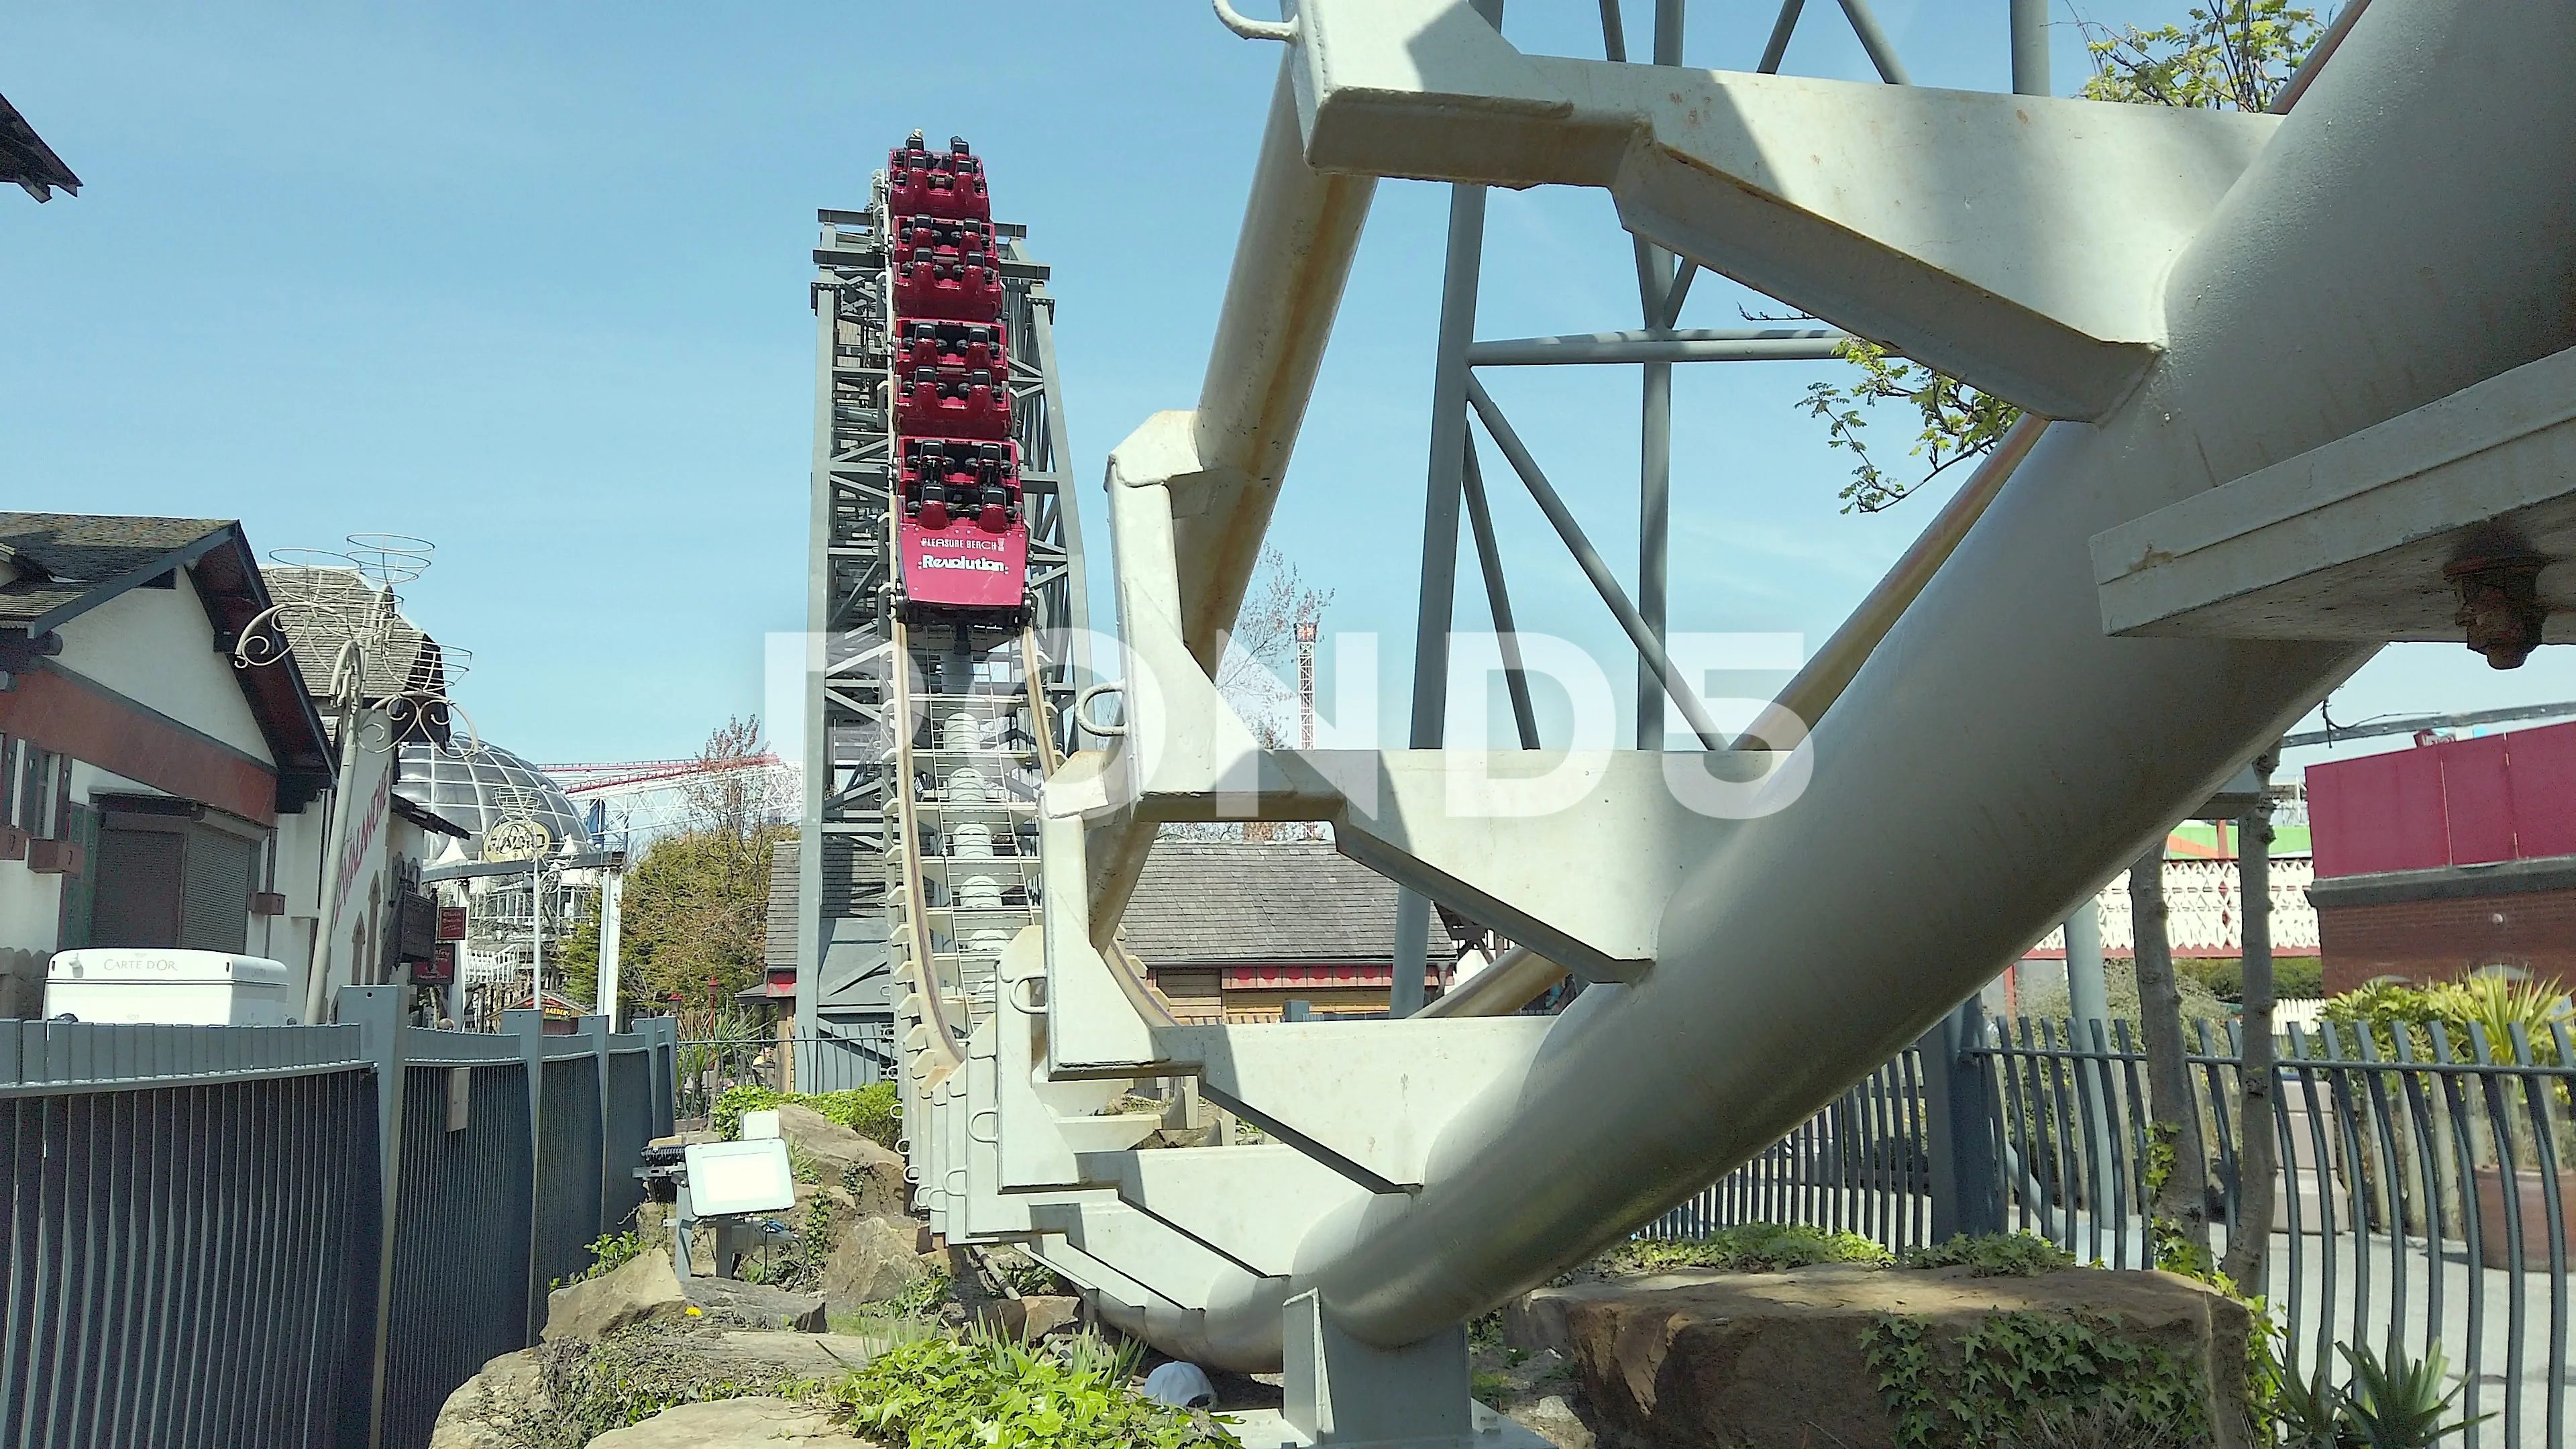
x=343 y=603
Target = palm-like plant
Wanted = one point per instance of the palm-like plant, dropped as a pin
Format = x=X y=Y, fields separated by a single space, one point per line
x=2397 y=1404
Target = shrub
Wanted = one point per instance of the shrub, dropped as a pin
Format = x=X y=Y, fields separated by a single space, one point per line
x=1991 y=1255
x=1745 y=1248
x=607 y=1255
x=2031 y=1378
x=874 y=1112
x=2120 y=982
x=586 y=1389
x=2489 y=1002
x=984 y=1390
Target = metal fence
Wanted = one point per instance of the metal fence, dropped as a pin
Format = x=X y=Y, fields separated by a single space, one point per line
x=1858 y=1166
x=191 y=1235
x=839 y=1058
x=2423 y=1190
x=196 y=1217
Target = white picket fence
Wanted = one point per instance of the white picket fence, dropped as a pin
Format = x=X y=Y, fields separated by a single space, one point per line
x=2202 y=911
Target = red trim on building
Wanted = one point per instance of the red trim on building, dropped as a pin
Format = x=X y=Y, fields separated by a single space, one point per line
x=103 y=728
x=1281 y=976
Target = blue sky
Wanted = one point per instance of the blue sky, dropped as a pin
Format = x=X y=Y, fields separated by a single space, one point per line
x=530 y=281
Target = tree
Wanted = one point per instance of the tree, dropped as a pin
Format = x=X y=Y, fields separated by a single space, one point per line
x=2235 y=56
x=1261 y=654
x=695 y=918
x=1254 y=673
x=2180 y=1170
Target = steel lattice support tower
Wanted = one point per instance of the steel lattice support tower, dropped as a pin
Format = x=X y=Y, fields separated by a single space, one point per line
x=842 y=963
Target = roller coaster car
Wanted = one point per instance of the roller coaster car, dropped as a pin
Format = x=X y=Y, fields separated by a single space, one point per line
x=934 y=239
x=962 y=540
x=922 y=182
x=965 y=290
x=930 y=402
x=950 y=347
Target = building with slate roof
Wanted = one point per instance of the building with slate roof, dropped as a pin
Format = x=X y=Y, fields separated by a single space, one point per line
x=151 y=793
x=1235 y=930
x=166 y=771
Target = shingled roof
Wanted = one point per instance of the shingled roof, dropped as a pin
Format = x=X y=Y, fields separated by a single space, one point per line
x=784 y=884
x=64 y=559
x=1203 y=902
x=28 y=161
x=408 y=661
x=65 y=564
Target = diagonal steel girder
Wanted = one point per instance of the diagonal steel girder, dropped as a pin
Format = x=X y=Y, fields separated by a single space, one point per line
x=2018 y=242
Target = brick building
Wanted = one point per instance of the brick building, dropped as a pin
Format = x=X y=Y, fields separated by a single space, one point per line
x=2451 y=857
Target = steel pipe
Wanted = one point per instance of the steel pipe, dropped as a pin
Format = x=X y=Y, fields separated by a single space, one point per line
x=1498 y=600
x=1301 y=227
x=1516 y=978
x=1711 y=344
x=1649 y=647
x=1873 y=39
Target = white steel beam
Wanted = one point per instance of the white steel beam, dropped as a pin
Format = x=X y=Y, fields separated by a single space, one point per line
x=2349 y=541
x=2019 y=242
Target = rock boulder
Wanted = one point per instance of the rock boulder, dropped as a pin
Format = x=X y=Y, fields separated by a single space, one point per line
x=729 y=1424
x=757 y=1304
x=836 y=1154
x=873 y=1261
x=473 y=1416
x=1045 y=1313
x=645 y=1290
x=1773 y=1360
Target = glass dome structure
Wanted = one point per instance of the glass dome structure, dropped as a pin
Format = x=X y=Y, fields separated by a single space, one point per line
x=480 y=790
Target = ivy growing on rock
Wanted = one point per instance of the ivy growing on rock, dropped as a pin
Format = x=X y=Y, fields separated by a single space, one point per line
x=2018 y=1372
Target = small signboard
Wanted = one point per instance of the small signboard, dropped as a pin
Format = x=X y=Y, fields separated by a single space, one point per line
x=516 y=840
x=439 y=969
x=451 y=923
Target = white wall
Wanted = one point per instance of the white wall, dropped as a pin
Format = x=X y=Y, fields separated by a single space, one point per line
x=157 y=648
x=31 y=908
x=289 y=938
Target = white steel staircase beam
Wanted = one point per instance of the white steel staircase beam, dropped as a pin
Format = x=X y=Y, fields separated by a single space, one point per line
x=2019 y=242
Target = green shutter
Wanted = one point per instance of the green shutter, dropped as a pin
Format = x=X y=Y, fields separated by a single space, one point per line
x=80 y=892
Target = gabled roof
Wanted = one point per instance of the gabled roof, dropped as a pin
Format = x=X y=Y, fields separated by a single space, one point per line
x=409 y=661
x=1223 y=902
x=70 y=563
x=27 y=160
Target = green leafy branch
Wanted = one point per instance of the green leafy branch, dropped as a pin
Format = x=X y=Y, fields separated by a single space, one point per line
x=1959 y=422
x=2237 y=55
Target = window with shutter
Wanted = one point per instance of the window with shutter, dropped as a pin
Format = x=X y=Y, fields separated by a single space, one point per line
x=220 y=869
x=139 y=888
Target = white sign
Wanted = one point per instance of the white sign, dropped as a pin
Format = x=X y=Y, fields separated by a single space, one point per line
x=516 y=840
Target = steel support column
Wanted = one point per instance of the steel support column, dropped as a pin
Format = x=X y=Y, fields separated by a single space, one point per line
x=1659 y=303
x=1449 y=381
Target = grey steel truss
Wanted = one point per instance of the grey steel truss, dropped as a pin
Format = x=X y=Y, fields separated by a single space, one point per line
x=842 y=965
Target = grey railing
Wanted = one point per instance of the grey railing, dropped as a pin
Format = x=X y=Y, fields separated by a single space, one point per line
x=2423 y=1193
x=1859 y=1166
x=297 y=1236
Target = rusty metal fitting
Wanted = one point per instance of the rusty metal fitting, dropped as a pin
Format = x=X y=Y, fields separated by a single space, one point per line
x=2500 y=606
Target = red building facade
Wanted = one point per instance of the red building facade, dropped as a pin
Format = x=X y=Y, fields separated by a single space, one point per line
x=2448 y=858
